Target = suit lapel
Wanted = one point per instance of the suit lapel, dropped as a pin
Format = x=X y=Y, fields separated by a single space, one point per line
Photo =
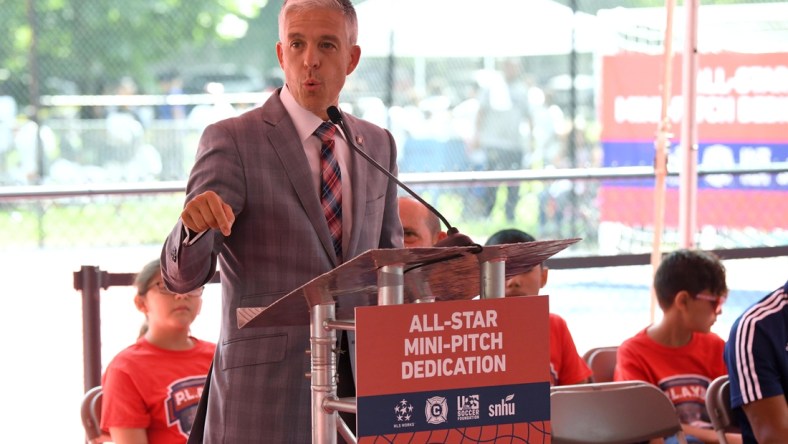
x=285 y=142
x=359 y=174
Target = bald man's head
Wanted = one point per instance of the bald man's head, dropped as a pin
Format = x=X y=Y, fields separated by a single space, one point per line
x=422 y=228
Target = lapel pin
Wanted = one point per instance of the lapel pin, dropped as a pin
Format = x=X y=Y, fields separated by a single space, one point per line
x=359 y=140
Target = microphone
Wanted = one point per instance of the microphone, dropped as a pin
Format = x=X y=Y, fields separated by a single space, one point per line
x=454 y=238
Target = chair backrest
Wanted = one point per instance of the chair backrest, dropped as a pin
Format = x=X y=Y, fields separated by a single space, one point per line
x=602 y=362
x=611 y=413
x=718 y=404
x=91 y=416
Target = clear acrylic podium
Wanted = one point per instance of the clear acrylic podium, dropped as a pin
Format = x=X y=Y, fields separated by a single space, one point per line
x=386 y=277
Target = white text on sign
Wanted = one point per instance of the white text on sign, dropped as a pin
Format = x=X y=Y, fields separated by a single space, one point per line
x=484 y=343
x=458 y=320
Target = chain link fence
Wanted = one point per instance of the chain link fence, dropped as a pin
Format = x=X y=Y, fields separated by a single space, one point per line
x=106 y=91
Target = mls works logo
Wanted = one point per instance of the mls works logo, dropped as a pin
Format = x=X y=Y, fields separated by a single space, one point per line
x=436 y=410
x=403 y=412
x=467 y=407
x=503 y=408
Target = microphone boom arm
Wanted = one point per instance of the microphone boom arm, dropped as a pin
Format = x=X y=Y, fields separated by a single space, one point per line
x=336 y=117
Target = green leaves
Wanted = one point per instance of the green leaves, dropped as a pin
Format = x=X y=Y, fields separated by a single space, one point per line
x=93 y=42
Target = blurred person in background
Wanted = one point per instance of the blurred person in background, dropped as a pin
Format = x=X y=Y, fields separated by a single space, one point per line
x=35 y=147
x=421 y=227
x=171 y=126
x=123 y=125
x=170 y=84
x=566 y=365
x=502 y=120
x=152 y=388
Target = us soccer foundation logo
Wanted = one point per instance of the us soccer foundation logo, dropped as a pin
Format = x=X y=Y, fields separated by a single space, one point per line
x=467 y=407
x=436 y=410
x=181 y=403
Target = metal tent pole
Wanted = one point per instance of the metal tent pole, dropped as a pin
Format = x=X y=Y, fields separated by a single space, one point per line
x=688 y=177
x=661 y=155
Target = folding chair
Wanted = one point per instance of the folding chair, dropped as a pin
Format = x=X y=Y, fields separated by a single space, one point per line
x=91 y=417
x=612 y=413
x=602 y=362
x=718 y=404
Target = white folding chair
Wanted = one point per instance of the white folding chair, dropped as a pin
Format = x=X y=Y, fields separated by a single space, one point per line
x=611 y=413
x=602 y=362
x=718 y=404
x=90 y=411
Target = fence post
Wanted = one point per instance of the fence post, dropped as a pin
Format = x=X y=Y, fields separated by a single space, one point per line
x=88 y=280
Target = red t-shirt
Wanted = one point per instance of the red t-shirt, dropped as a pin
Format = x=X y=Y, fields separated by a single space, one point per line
x=683 y=373
x=566 y=366
x=158 y=390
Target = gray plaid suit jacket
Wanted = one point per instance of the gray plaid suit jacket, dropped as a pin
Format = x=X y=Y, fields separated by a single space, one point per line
x=280 y=240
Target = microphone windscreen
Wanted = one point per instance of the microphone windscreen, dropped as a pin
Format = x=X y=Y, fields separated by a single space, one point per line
x=334 y=115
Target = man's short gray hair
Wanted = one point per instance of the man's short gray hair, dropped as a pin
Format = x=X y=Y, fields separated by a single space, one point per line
x=343 y=6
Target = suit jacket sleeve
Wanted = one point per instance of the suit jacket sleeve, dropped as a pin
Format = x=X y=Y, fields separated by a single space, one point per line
x=217 y=167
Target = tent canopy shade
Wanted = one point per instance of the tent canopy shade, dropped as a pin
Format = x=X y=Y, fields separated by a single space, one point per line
x=469 y=28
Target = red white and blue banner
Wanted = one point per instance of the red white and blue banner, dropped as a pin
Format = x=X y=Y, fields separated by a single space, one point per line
x=742 y=119
x=454 y=372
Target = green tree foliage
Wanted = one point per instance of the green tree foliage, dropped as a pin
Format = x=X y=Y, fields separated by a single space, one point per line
x=87 y=42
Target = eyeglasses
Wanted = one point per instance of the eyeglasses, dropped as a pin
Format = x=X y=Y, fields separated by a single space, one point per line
x=196 y=293
x=716 y=301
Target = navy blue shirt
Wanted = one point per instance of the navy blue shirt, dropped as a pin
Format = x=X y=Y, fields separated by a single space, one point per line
x=757 y=355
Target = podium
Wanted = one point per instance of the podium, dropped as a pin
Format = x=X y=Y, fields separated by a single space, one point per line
x=386 y=277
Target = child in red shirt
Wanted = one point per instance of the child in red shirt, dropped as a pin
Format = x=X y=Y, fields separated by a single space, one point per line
x=151 y=389
x=566 y=365
x=679 y=354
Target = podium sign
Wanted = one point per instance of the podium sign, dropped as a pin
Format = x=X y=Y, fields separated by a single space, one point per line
x=454 y=371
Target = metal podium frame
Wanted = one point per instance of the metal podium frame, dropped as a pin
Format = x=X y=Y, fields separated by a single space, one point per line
x=386 y=277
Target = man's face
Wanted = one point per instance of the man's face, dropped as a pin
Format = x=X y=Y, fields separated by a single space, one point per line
x=316 y=56
x=528 y=283
x=413 y=217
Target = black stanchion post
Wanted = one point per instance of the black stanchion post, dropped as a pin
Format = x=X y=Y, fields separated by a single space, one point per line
x=88 y=281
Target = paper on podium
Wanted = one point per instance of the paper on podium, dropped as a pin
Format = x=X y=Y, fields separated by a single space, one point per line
x=445 y=273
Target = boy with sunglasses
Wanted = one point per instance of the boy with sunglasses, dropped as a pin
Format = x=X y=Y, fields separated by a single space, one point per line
x=679 y=354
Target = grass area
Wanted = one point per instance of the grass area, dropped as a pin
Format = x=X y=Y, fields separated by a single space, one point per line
x=147 y=219
x=95 y=221
x=479 y=228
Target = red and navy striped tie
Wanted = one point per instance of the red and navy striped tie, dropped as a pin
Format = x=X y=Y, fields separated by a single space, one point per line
x=330 y=184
